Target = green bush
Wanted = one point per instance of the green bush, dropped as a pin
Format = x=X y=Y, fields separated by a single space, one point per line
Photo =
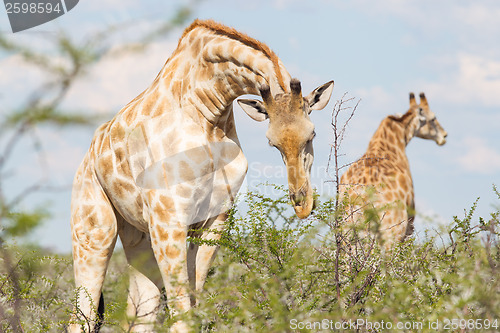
x=276 y=273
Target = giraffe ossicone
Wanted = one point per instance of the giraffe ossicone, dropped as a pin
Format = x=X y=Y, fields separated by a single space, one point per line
x=169 y=165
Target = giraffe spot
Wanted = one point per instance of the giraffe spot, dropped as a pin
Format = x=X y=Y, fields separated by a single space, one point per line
x=403 y=182
x=105 y=165
x=155 y=95
x=171 y=251
x=349 y=173
x=161 y=213
x=172 y=138
x=86 y=210
x=153 y=235
x=162 y=234
x=118 y=133
x=121 y=189
x=130 y=115
x=154 y=241
x=148 y=104
x=187 y=70
x=205 y=72
x=186 y=172
x=197 y=155
x=173 y=63
x=99 y=235
x=196 y=48
x=176 y=88
x=179 y=235
x=159 y=110
x=392 y=182
x=167 y=202
x=125 y=168
x=184 y=191
x=119 y=153
x=92 y=220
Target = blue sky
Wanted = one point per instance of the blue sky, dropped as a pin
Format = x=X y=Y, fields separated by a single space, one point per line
x=377 y=51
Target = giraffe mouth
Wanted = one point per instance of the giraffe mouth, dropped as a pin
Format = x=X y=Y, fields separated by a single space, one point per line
x=302 y=201
x=441 y=142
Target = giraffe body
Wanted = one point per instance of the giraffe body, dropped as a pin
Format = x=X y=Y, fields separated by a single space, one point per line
x=381 y=179
x=170 y=163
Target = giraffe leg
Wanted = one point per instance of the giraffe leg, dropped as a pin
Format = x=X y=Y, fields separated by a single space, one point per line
x=169 y=240
x=94 y=233
x=143 y=300
x=201 y=257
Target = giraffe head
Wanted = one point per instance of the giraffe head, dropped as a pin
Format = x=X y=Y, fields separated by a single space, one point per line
x=429 y=128
x=292 y=132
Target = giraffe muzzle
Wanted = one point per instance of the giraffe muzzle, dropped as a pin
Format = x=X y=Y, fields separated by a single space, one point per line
x=302 y=201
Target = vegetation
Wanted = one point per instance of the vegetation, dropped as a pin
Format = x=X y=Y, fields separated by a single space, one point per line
x=276 y=273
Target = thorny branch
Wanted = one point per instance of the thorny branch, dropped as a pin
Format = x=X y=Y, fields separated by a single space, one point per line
x=338 y=130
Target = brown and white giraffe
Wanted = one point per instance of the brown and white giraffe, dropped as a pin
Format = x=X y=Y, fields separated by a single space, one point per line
x=381 y=178
x=170 y=162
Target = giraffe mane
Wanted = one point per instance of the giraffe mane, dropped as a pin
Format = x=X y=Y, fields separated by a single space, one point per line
x=401 y=117
x=245 y=39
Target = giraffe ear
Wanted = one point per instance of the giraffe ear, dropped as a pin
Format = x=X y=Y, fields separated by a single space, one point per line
x=254 y=108
x=320 y=96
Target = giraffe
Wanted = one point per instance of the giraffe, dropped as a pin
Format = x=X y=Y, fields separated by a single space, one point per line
x=169 y=165
x=381 y=178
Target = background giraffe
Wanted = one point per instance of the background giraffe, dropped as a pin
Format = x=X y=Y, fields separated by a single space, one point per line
x=381 y=178
x=170 y=162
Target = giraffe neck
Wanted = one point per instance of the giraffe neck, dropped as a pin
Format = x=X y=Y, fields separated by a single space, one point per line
x=222 y=66
x=394 y=133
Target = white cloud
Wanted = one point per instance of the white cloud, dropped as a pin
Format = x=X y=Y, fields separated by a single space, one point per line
x=479 y=16
x=479 y=157
x=475 y=81
x=472 y=24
